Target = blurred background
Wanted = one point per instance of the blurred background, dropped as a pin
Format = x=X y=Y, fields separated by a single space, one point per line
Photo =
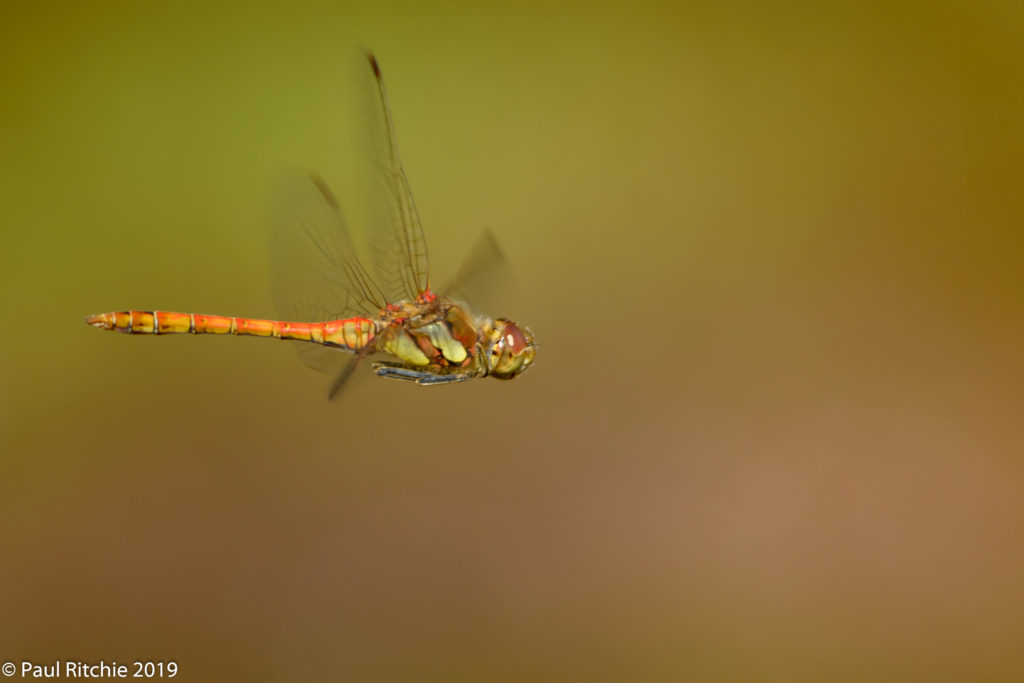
x=773 y=254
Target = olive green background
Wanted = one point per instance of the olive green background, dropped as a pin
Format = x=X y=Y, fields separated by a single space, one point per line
x=773 y=255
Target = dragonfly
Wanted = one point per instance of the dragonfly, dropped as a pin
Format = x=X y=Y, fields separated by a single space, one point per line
x=370 y=298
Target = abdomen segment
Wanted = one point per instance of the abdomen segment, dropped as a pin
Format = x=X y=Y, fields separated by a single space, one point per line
x=351 y=333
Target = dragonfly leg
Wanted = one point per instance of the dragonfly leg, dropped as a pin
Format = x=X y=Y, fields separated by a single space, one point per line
x=396 y=371
x=444 y=379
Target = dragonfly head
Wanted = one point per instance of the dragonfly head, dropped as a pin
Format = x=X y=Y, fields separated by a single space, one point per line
x=509 y=348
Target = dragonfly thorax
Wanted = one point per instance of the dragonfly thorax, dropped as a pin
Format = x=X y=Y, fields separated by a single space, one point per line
x=428 y=332
x=441 y=335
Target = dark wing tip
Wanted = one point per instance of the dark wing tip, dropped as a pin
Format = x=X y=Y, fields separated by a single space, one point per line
x=374 y=65
x=325 y=191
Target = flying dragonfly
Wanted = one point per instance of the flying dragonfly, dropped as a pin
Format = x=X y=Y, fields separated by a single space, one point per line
x=387 y=309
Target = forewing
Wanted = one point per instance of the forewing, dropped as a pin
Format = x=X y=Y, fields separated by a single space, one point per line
x=485 y=280
x=394 y=235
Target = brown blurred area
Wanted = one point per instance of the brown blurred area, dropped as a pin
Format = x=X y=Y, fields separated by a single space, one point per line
x=774 y=259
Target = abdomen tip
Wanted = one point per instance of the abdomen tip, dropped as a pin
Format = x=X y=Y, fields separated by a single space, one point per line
x=97 y=320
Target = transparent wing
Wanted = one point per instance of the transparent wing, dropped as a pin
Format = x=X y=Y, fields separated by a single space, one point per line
x=394 y=236
x=485 y=279
x=316 y=274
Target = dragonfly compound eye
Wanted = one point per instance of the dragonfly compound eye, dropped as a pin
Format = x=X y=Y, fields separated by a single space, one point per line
x=512 y=349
